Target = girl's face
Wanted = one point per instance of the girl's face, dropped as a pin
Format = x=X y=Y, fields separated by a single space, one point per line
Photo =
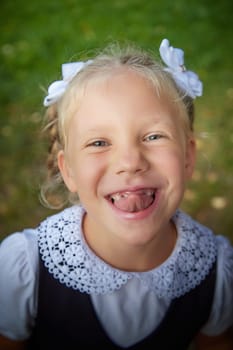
x=128 y=159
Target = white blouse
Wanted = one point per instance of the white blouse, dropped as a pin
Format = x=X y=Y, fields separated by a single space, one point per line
x=121 y=299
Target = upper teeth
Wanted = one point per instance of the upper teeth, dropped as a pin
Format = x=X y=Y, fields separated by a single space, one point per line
x=117 y=196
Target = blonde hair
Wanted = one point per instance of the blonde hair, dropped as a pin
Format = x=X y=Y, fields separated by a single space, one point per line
x=54 y=193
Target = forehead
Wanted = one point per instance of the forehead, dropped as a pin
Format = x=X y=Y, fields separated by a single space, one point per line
x=122 y=94
x=121 y=97
x=125 y=85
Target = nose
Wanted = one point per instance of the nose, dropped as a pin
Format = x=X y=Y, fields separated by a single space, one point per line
x=131 y=159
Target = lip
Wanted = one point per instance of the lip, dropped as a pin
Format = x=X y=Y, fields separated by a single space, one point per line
x=143 y=214
x=132 y=189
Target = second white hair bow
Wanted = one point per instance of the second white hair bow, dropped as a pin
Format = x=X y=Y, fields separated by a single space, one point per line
x=187 y=80
x=58 y=87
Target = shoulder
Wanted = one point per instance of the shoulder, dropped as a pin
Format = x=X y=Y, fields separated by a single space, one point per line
x=224 y=266
x=196 y=244
x=19 y=261
x=19 y=273
x=18 y=277
x=224 y=285
x=197 y=239
x=61 y=226
x=221 y=317
x=18 y=248
x=65 y=217
x=206 y=245
x=225 y=252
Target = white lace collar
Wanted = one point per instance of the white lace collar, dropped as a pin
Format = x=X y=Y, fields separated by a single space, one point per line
x=70 y=260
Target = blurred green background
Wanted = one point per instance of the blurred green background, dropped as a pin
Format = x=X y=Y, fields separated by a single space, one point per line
x=37 y=36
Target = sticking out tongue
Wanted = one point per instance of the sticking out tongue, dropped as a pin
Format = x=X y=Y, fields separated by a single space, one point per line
x=133 y=201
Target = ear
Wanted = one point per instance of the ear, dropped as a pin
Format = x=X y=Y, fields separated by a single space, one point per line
x=190 y=160
x=66 y=172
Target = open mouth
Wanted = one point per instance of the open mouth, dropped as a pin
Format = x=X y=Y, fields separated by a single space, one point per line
x=133 y=201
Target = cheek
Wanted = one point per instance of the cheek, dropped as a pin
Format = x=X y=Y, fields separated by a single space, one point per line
x=175 y=177
x=172 y=158
x=172 y=163
x=89 y=172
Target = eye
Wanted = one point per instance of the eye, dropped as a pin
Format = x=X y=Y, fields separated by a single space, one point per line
x=98 y=143
x=153 y=137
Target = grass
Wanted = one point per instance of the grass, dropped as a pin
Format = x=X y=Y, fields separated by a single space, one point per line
x=37 y=37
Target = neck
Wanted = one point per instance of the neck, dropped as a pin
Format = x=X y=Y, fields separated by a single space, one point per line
x=137 y=258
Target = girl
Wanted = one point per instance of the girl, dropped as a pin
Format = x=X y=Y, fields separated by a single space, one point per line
x=125 y=269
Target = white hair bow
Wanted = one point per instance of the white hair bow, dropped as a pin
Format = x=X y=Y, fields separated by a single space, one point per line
x=187 y=80
x=58 y=87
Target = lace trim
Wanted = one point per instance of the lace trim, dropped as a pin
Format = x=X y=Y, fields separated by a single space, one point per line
x=68 y=258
